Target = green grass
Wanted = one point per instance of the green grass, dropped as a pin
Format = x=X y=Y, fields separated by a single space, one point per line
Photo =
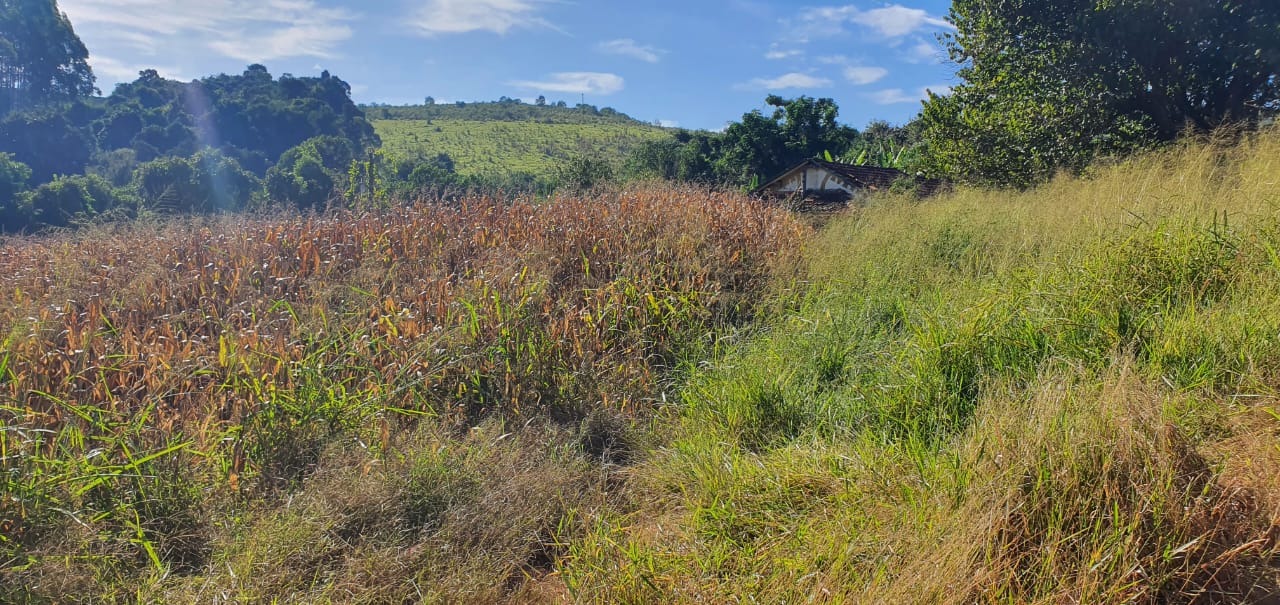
x=1064 y=395
x=499 y=148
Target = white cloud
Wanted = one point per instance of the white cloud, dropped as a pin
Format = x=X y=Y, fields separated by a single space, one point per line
x=897 y=96
x=897 y=20
x=864 y=75
x=785 y=81
x=892 y=96
x=833 y=60
x=668 y=123
x=893 y=21
x=576 y=82
x=117 y=71
x=241 y=29
x=304 y=40
x=777 y=53
x=922 y=51
x=627 y=47
x=462 y=16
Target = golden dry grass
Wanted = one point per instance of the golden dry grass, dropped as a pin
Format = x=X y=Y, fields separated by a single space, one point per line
x=167 y=387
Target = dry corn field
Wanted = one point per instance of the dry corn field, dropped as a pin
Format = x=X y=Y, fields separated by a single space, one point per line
x=231 y=351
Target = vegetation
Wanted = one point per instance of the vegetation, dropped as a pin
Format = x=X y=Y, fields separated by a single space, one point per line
x=1064 y=395
x=504 y=110
x=546 y=143
x=202 y=146
x=322 y=365
x=1050 y=86
x=760 y=147
x=499 y=148
x=422 y=402
x=1068 y=393
x=41 y=58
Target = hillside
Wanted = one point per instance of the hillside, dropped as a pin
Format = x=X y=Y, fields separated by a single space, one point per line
x=488 y=148
x=503 y=138
x=503 y=111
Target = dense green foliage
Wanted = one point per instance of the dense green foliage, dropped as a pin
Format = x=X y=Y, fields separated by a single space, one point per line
x=41 y=59
x=13 y=177
x=1053 y=85
x=205 y=182
x=253 y=116
x=584 y=173
x=67 y=199
x=760 y=147
x=200 y=146
x=307 y=176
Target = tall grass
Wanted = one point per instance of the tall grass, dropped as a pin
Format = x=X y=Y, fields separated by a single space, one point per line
x=1063 y=395
x=231 y=407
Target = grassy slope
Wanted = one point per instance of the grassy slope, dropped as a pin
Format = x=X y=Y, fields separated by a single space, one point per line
x=1065 y=395
x=486 y=148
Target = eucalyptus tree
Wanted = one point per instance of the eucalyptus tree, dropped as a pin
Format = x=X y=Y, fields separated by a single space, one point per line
x=42 y=61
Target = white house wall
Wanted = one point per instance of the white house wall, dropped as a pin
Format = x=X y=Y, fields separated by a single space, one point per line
x=817 y=179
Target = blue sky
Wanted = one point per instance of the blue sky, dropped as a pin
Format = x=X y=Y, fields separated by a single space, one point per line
x=692 y=63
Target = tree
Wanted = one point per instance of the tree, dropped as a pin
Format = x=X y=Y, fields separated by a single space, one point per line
x=13 y=178
x=887 y=146
x=47 y=141
x=67 y=199
x=311 y=174
x=541 y=101
x=799 y=129
x=1048 y=85
x=41 y=59
x=583 y=173
x=205 y=182
x=13 y=181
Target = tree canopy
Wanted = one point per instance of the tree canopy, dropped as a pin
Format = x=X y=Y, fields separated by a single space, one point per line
x=41 y=59
x=252 y=116
x=756 y=148
x=1053 y=85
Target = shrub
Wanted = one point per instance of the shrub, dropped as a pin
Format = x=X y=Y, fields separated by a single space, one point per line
x=206 y=182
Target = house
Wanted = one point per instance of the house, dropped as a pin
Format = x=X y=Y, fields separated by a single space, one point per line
x=825 y=183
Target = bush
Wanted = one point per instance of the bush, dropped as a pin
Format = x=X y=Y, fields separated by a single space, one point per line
x=206 y=182
x=310 y=175
x=13 y=181
x=69 y=199
x=584 y=173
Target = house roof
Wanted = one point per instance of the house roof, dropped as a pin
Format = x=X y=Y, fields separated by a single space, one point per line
x=860 y=177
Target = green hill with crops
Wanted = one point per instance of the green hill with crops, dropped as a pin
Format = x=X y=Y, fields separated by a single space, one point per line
x=504 y=138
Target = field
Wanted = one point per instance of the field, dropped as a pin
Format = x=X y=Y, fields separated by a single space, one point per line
x=1068 y=394
x=358 y=406
x=500 y=148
